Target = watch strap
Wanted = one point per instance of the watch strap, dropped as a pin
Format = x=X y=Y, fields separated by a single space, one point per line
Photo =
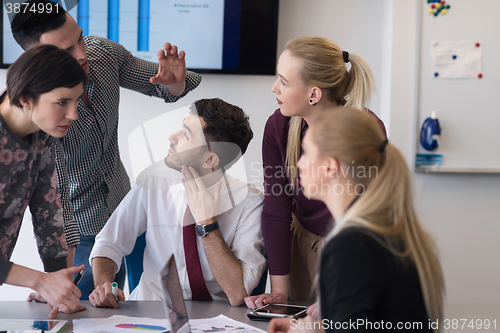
x=211 y=227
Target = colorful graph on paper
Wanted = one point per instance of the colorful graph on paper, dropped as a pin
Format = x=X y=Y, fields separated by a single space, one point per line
x=142 y=327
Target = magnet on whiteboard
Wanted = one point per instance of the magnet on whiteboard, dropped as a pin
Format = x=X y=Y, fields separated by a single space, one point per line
x=479 y=75
x=477 y=44
x=436 y=74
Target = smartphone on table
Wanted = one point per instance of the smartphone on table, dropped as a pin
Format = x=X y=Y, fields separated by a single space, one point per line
x=269 y=311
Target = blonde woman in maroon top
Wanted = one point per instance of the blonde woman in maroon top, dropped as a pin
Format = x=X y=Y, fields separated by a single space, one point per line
x=314 y=74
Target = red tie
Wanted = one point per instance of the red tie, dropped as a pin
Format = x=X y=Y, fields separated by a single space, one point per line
x=196 y=281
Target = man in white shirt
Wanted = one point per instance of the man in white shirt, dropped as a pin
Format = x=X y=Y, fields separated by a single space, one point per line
x=227 y=214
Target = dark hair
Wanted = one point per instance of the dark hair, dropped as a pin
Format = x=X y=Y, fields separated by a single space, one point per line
x=27 y=26
x=40 y=70
x=227 y=129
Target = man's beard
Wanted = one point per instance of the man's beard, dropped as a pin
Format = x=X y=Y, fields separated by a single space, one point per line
x=191 y=158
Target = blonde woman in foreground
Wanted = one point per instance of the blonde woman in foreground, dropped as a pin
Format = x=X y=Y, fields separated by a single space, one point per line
x=379 y=268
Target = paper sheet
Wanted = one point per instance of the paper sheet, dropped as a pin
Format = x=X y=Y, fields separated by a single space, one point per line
x=120 y=324
x=221 y=324
x=456 y=60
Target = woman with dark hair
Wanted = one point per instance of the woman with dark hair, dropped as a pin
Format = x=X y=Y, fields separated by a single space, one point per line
x=43 y=88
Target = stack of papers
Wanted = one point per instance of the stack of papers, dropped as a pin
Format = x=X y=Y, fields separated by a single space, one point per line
x=221 y=324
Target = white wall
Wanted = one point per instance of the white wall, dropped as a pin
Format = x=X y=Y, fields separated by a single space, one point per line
x=459 y=210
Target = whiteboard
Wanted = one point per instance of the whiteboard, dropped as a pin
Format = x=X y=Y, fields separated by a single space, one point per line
x=468 y=109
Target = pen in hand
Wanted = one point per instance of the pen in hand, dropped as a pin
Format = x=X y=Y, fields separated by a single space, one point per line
x=114 y=290
x=79 y=277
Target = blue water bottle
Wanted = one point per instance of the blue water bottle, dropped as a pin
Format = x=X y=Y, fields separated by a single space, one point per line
x=430 y=132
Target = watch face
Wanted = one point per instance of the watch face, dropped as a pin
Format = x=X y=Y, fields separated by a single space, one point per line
x=200 y=230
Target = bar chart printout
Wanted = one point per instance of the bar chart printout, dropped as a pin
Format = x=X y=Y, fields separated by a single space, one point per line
x=143 y=26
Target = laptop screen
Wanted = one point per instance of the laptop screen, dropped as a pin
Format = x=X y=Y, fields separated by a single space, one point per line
x=173 y=301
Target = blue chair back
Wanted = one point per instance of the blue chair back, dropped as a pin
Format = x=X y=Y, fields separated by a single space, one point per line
x=134 y=262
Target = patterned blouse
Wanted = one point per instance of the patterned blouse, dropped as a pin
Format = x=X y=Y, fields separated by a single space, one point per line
x=28 y=178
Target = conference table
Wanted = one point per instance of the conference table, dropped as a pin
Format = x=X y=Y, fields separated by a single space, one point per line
x=150 y=309
x=457 y=317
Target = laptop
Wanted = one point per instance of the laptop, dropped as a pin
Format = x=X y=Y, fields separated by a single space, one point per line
x=173 y=301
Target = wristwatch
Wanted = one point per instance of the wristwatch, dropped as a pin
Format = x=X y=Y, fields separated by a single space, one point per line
x=203 y=230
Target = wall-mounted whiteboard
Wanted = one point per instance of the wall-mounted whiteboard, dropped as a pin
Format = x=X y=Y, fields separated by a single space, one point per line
x=468 y=109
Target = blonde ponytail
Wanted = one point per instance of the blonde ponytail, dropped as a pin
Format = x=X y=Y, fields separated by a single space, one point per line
x=323 y=66
x=361 y=83
x=385 y=208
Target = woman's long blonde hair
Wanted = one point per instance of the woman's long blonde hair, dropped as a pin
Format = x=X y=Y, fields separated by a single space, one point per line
x=323 y=66
x=385 y=208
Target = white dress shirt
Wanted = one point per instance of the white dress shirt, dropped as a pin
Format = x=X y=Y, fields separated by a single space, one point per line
x=157 y=204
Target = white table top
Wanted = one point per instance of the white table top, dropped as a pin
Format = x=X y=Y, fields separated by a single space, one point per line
x=461 y=313
x=151 y=309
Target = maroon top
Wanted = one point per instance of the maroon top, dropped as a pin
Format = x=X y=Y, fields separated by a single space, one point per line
x=280 y=201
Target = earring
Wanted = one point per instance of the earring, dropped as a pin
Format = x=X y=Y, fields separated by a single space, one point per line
x=311 y=102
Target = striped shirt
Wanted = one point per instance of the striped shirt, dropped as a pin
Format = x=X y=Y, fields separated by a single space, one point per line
x=96 y=177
